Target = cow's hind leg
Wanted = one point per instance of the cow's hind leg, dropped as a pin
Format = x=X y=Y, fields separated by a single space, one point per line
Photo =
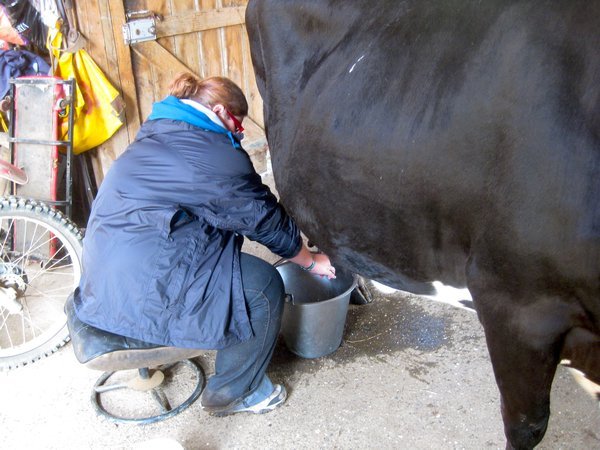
x=524 y=346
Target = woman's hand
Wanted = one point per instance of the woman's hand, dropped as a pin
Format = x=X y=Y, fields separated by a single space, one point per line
x=317 y=263
x=323 y=266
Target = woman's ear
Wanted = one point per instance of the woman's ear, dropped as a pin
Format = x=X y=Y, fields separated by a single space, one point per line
x=218 y=109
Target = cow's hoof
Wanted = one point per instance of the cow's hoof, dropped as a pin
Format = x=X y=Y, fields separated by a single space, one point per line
x=361 y=295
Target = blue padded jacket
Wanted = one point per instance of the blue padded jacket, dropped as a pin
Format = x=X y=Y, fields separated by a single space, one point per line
x=162 y=245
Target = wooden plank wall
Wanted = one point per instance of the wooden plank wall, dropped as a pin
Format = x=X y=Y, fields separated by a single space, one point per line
x=220 y=51
x=207 y=37
x=96 y=26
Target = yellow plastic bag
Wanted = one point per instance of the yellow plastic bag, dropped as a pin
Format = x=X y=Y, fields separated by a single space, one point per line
x=98 y=106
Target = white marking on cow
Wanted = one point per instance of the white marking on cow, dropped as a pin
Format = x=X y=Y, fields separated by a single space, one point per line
x=354 y=65
x=383 y=288
x=588 y=385
x=459 y=298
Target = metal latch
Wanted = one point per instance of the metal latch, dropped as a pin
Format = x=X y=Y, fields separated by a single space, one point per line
x=140 y=30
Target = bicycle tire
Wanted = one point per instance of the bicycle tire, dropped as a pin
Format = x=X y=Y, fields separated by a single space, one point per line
x=40 y=260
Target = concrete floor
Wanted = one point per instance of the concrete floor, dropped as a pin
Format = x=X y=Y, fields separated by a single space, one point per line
x=410 y=374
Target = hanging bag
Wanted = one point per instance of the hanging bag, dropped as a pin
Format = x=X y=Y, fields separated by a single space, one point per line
x=98 y=106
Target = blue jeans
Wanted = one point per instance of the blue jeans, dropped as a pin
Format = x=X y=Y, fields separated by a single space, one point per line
x=240 y=369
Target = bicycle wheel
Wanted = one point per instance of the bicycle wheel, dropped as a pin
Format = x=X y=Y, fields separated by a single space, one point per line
x=40 y=265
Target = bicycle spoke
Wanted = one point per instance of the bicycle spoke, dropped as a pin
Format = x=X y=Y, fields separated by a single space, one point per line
x=7 y=233
x=26 y=318
x=44 y=294
x=34 y=246
x=4 y=326
x=49 y=268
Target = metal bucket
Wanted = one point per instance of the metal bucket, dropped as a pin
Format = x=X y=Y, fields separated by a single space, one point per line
x=315 y=310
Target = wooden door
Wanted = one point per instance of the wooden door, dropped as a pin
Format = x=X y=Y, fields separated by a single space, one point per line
x=205 y=37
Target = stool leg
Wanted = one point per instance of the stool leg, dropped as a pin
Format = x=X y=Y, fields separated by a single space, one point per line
x=100 y=387
x=157 y=392
x=142 y=382
x=161 y=399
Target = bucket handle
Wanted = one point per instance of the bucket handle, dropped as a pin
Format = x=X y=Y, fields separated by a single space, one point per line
x=279 y=262
x=289 y=298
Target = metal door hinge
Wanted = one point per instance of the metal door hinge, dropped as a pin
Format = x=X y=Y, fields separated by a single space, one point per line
x=141 y=29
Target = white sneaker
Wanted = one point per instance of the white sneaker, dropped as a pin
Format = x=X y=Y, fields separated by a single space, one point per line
x=274 y=400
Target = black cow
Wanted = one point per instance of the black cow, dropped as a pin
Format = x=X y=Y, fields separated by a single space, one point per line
x=456 y=140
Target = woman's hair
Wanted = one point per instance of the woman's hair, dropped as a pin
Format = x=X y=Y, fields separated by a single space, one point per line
x=210 y=91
